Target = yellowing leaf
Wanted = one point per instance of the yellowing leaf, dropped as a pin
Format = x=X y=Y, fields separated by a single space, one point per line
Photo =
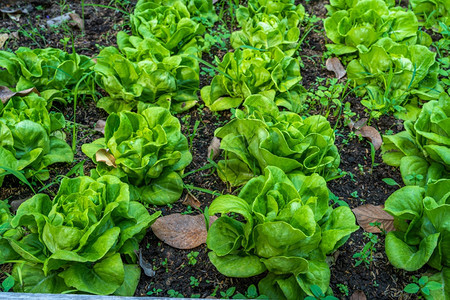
x=103 y=155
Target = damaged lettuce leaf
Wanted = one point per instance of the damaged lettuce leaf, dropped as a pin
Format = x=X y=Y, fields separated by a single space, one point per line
x=31 y=138
x=147 y=151
x=262 y=136
x=422 y=151
x=248 y=71
x=82 y=241
x=282 y=224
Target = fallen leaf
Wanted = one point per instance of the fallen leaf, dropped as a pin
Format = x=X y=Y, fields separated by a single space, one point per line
x=214 y=148
x=369 y=213
x=372 y=134
x=105 y=156
x=358 y=124
x=182 y=231
x=6 y=93
x=358 y=295
x=16 y=203
x=146 y=266
x=15 y=34
x=16 y=13
x=56 y=21
x=100 y=126
x=77 y=20
x=191 y=200
x=3 y=38
x=335 y=65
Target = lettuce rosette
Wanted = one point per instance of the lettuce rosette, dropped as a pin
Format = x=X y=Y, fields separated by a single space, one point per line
x=262 y=136
x=147 y=151
x=365 y=22
x=158 y=80
x=422 y=151
x=282 y=224
x=246 y=72
x=82 y=241
x=422 y=233
x=264 y=30
x=31 y=138
x=44 y=69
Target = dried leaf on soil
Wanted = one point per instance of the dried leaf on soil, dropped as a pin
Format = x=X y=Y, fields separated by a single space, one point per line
x=100 y=126
x=372 y=134
x=214 y=148
x=358 y=124
x=191 y=200
x=3 y=38
x=77 y=21
x=358 y=295
x=15 y=14
x=369 y=213
x=335 y=65
x=146 y=266
x=16 y=203
x=56 y=21
x=106 y=157
x=6 y=93
x=182 y=231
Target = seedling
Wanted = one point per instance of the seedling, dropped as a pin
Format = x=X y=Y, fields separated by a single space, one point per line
x=154 y=291
x=251 y=293
x=229 y=293
x=194 y=282
x=8 y=283
x=192 y=256
x=378 y=225
x=423 y=285
x=165 y=265
x=343 y=288
x=174 y=294
x=366 y=254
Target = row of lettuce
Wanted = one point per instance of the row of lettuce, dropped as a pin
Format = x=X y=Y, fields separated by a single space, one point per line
x=86 y=239
x=389 y=58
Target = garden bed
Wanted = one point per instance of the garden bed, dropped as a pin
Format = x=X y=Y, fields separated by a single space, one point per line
x=189 y=273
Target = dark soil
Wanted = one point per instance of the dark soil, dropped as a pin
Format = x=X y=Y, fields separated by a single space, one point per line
x=363 y=183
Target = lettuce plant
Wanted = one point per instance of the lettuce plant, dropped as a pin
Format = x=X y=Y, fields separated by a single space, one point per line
x=248 y=71
x=422 y=151
x=147 y=151
x=263 y=31
x=422 y=233
x=84 y=240
x=283 y=224
x=393 y=73
x=262 y=136
x=365 y=22
x=146 y=78
x=44 y=69
x=202 y=10
x=30 y=137
x=170 y=24
x=278 y=8
x=7 y=253
x=432 y=12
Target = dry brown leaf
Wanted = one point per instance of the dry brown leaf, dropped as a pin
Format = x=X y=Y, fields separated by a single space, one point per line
x=145 y=265
x=182 y=231
x=3 y=38
x=56 y=21
x=335 y=65
x=358 y=124
x=369 y=213
x=100 y=126
x=214 y=148
x=6 y=93
x=191 y=200
x=16 y=203
x=372 y=134
x=104 y=156
x=77 y=20
x=358 y=295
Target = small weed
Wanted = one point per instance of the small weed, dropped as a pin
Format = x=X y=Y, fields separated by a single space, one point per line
x=154 y=291
x=229 y=293
x=343 y=288
x=194 y=282
x=164 y=264
x=366 y=254
x=423 y=285
x=192 y=256
x=188 y=210
x=8 y=283
x=174 y=294
x=378 y=225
